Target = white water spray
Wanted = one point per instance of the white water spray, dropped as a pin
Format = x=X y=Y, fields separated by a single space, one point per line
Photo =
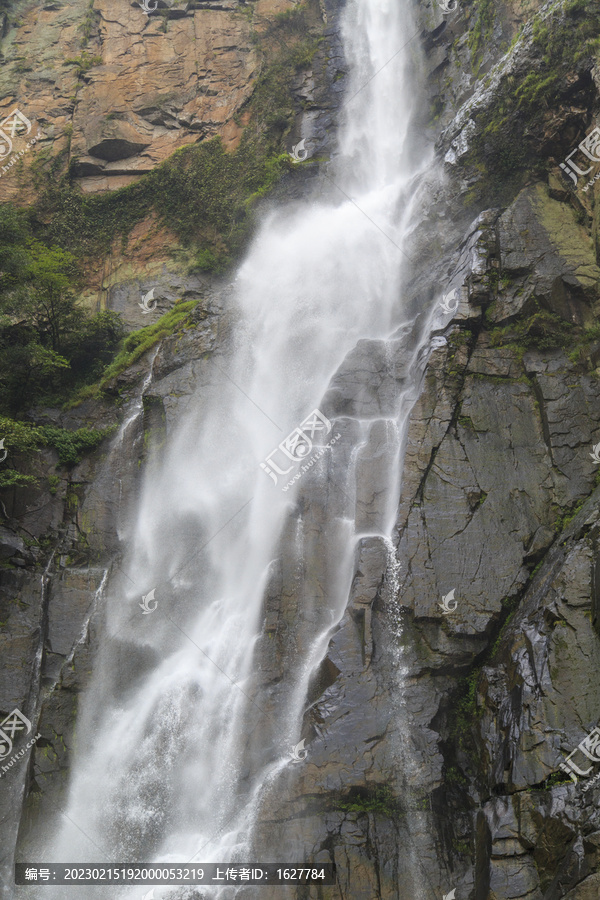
x=173 y=762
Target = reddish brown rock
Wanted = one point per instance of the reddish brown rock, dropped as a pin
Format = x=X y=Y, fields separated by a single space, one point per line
x=118 y=91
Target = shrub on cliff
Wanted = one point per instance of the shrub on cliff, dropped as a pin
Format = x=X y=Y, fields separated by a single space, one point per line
x=48 y=344
x=204 y=193
x=21 y=441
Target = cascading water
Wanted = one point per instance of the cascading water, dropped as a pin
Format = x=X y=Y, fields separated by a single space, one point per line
x=177 y=753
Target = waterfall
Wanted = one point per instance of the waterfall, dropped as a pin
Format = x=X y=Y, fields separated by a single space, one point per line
x=178 y=746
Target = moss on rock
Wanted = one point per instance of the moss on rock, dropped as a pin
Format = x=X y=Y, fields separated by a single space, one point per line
x=517 y=133
x=203 y=193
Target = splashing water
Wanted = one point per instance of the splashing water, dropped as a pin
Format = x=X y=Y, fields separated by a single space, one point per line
x=178 y=747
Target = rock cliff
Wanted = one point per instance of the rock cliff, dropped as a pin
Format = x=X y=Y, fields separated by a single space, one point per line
x=436 y=731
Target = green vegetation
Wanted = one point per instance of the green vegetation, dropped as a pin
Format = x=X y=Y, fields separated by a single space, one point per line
x=203 y=193
x=565 y=517
x=88 y=24
x=84 y=62
x=53 y=483
x=136 y=344
x=48 y=345
x=73 y=445
x=462 y=847
x=587 y=338
x=466 y=709
x=52 y=351
x=481 y=32
x=509 y=607
x=553 y=780
x=11 y=478
x=25 y=439
x=453 y=775
x=460 y=338
x=536 y=568
x=20 y=437
x=539 y=329
x=377 y=799
x=507 y=145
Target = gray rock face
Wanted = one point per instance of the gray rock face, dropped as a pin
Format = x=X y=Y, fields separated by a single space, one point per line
x=566 y=282
x=55 y=614
x=10 y=544
x=460 y=670
x=127 y=298
x=422 y=709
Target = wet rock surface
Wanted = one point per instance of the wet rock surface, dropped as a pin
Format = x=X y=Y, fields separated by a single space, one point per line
x=435 y=733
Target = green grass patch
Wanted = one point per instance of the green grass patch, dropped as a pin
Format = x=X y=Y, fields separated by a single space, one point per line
x=588 y=338
x=454 y=776
x=135 y=345
x=465 y=711
x=377 y=799
x=484 y=13
x=89 y=23
x=53 y=483
x=84 y=62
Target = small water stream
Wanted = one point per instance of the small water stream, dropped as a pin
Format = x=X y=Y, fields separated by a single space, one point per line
x=177 y=755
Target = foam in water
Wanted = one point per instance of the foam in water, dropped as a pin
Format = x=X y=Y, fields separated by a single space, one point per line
x=173 y=764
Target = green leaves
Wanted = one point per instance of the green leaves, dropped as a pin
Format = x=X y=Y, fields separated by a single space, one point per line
x=48 y=344
x=72 y=445
x=203 y=192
